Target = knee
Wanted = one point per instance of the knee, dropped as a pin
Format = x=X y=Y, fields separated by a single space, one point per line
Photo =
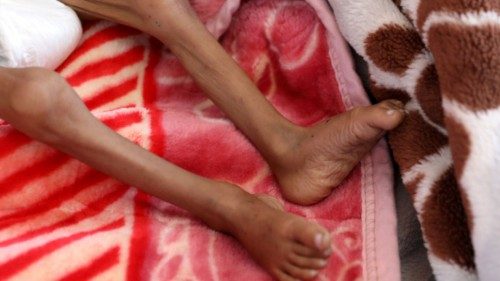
x=36 y=95
x=37 y=104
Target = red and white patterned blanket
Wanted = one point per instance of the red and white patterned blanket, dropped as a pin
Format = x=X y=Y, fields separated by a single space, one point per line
x=61 y=220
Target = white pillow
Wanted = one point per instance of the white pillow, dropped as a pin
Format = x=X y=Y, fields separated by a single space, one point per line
x=37 y=33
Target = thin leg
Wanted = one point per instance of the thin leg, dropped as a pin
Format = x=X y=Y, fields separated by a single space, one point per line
x=308 y=162
x=40 y=104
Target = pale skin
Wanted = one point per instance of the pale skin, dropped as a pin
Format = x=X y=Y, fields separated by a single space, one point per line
x=308 y=162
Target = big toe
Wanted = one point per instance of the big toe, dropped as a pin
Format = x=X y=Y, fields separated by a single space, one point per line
x=312 y=236
x=371 y=122
x=386 y=115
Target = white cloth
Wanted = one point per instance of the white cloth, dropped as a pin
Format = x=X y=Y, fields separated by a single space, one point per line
x=37 y=33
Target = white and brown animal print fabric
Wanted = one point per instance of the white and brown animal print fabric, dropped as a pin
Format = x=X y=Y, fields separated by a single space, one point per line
x=442 y=58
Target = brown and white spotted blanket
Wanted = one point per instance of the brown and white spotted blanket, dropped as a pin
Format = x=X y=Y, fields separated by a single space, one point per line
x=442 y=58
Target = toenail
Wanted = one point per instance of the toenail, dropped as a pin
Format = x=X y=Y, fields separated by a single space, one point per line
x=319 y=240
x=396 y=103
x=390 y=112
x=322 y=263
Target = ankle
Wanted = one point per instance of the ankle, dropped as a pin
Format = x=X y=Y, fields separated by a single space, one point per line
x=285 y=144
x=223 y=213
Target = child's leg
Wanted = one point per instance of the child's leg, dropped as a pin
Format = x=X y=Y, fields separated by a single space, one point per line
x=307 y=162
x=40 y=104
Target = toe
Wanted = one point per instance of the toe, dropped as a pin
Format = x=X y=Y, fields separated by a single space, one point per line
x=386 y=115
x=371 y=122
x=300 y=273
x=307 y=252
x=311 y=235
x=283 y=276
x=307 y=262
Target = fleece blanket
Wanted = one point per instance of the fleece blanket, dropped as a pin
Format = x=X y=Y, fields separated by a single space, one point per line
x=62 y=220
x=442 y=58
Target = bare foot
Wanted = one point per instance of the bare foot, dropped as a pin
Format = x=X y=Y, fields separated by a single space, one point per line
x=315 y=160
x=287 y=246
x=324 y=155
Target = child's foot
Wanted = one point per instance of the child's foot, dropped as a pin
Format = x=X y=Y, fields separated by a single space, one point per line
x=287 y=246
x=320 y=157
x=324 y=155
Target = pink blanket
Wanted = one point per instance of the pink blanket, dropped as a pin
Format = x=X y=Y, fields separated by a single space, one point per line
x=61 y=220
